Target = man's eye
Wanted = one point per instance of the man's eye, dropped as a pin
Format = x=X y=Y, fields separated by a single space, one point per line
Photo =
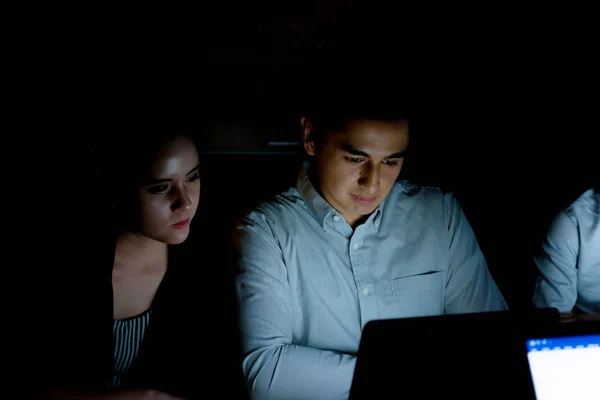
x=355 y=160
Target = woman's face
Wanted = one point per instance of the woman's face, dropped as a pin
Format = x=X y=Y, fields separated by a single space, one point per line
x=170 y=192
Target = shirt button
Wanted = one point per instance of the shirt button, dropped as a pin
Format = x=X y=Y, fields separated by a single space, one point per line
x=355 y=246
x=365 y=290
x=336 y=218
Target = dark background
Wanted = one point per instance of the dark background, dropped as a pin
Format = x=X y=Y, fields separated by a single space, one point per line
x=504 y=113
x=504 y=99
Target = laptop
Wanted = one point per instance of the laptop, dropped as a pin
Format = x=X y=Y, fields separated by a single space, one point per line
x=564 y=361
x=470 y=356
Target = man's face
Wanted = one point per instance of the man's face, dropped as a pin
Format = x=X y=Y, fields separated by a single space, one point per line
x=357 y=166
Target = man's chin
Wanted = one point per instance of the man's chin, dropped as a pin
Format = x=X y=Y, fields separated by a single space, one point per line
x=368 y=209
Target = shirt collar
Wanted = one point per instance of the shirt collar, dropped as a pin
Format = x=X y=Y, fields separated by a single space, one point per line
x=318 y=205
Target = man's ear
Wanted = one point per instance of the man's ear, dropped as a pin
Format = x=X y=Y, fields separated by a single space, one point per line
x=308 y=138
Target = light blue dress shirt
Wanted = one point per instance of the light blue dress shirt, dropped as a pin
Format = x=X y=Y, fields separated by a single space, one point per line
x=569 y=259
x=307 y=283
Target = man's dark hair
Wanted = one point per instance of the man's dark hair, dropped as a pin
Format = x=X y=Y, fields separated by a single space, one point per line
x=334 y=98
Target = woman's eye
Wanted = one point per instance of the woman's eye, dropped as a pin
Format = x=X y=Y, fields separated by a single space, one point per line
x=158 y=189
x=195 y=176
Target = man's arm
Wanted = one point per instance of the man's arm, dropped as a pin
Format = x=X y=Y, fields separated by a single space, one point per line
x=273 y=366
x=557 y=263
x=470 y=287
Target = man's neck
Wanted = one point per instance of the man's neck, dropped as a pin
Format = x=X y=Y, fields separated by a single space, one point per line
x=354 y=221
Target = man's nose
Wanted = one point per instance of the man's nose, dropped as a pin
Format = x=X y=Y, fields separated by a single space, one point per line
x=369 y=179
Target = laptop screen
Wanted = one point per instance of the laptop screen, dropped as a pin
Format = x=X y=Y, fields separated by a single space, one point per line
x=565 y=367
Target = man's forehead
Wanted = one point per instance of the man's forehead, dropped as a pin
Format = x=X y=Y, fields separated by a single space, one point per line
x=376 y=125
x=380 y=139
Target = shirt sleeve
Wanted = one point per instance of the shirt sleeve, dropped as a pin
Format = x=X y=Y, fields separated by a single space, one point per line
x=557 y=263
x=470 y=287
x=275 y=368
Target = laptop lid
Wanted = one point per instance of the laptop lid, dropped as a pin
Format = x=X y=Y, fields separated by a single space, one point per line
x=471 y=356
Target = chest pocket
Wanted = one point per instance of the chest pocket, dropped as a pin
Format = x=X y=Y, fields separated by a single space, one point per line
x=419 y=295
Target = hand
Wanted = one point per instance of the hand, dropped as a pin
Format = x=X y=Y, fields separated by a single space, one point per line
x=137 y=394
x=158 y=395
x=126 y=394
x=569 y=317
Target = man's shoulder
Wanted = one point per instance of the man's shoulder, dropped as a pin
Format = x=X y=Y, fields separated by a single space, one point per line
x=406 y=191
x=583 y=211
x=281 y=205
x=587 y=202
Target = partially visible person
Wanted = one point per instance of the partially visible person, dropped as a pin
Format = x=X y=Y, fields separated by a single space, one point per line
x=135 y=319
x=346 y=245
x=569 y=259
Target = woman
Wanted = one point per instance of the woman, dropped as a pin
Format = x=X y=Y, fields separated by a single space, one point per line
x=136 y=325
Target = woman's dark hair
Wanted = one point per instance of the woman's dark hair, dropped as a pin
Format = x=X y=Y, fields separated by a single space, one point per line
x=122 y=157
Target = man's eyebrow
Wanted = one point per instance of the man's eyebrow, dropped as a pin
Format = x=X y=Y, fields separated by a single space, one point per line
x=349 y=149
x=398 y=155
x=158 y=181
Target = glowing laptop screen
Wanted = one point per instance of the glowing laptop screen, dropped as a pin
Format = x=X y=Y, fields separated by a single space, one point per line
x=565 y=367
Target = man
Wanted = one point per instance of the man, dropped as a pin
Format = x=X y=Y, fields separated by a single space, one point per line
x=569 y=259
x=346 y=245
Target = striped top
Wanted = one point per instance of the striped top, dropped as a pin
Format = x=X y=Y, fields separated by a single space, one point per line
x=128 y=335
